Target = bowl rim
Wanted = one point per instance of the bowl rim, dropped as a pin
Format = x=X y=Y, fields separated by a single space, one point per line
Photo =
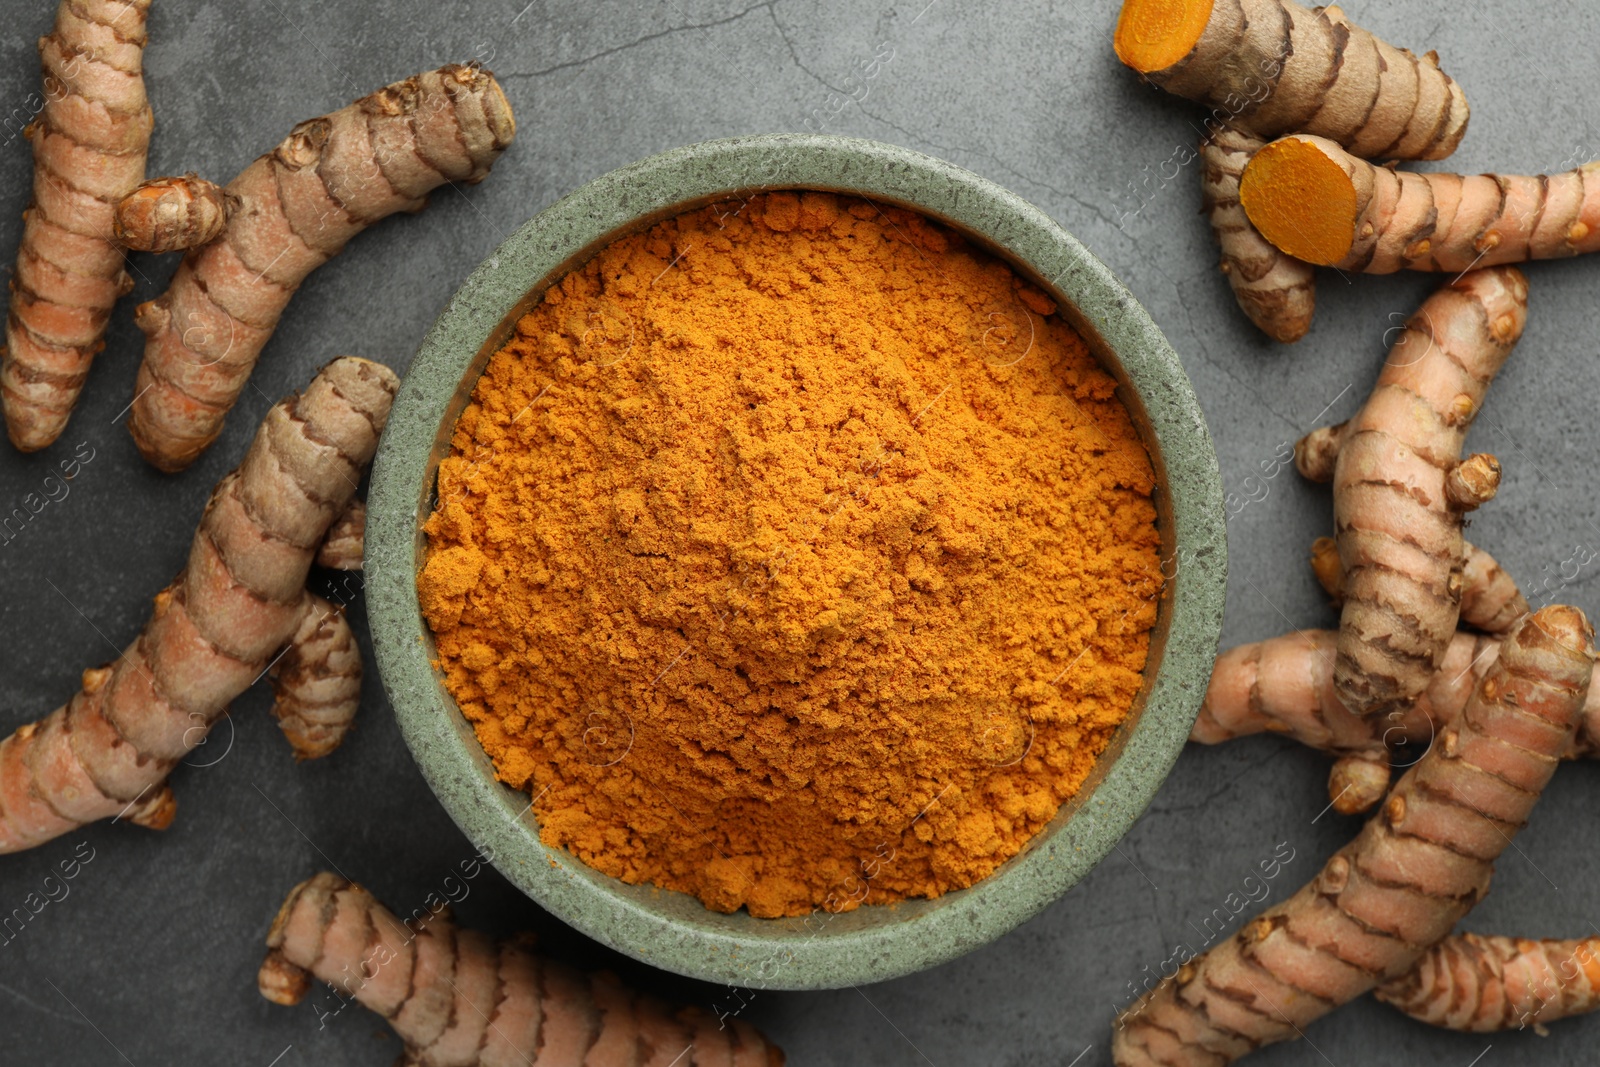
x=837 y=950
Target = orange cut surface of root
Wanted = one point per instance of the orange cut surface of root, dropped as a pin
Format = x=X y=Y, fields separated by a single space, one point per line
x=1300 y=200
x=1154 y=34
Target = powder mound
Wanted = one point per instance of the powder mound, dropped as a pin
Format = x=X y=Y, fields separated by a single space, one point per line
x=794 y=554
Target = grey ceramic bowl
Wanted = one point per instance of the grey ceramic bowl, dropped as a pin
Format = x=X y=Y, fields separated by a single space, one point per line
x=673 y=930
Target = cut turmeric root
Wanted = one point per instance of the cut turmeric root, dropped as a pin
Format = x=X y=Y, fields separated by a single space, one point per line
x=239 y=603
x=1317 y=202
x=1276 y=291
x=1400 y=488
x=89 y=147
x=1416 y=868
x=1482 y=984
x=296 y=208
x=1272 y=67
x=456 y=998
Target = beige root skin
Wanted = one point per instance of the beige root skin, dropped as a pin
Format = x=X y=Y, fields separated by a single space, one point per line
x=1277 y=292
x=1273 y=67
x=1284 y=686
x=1314 y=200
x=1316 y=453
x=1356 y=783
x=346 y=542
x=297 y=206
x=239 y=601
x=318 y=681
x=456 y=998
x=1400 y=488
x=1490 y=599
x=172 y=214
x=1417 y=867
x=1483 y=984
x=89 y=147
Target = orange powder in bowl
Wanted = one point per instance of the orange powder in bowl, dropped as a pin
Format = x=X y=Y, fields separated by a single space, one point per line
x=795 y=554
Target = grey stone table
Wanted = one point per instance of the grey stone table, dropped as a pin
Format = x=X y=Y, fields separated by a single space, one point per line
x=151 y=957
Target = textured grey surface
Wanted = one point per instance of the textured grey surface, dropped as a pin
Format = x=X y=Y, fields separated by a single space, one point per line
x=674 y=930
x=151 y=958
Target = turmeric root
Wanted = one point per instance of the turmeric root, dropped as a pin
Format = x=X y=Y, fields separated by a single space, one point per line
x=89 y=147
x=317 y=681
x=1276 y=291
x=239 y=601
x=1315 y=201
x=1400 y=489
x=346 y=541
x=1274 y=67
x=1476 y=983
x=1284 y=686
x=297 y=207
x=1490 y=599
x=455 y=998
x=171 y=214
x=1415 y=869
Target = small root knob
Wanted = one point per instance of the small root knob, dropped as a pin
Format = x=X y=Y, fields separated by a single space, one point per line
x=1473 y=482
x=281 y=981
x=1358 y=782
x=1316 y=453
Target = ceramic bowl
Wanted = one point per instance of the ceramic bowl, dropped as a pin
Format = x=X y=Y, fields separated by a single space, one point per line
x=876 y=942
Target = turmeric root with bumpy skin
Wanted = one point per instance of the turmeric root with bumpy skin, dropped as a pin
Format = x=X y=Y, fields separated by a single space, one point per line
x=458 y=1000
x=298 y=205
x=1316 y=453
x=1276 y=291
x=1284 y=686
x=346 y=542
x=1490 y=599
x=1481 y=984
x=239 y=601
x=1398 y=497
x=89 y=147
x=1315 y=201
x=1272 y=67
x=171 y=214
x=1357 y=783
x=1415 y=869
x=317 y=681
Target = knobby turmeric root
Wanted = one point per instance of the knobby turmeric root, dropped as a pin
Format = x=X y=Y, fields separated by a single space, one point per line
x=296 y=208
x=458 y=1000
x=1414 y=870
x=1315 y=201
x=1273 y=67
x=1276 y=291
x=1476 y=983
x=171 y=214
x=1490 y=599
x=89 y=146
x=1400 y=488
x=239 y=602
x=346 y=541
x=1284 y=686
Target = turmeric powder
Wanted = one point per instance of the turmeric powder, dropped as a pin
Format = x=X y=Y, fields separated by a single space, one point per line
x=794 y=554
